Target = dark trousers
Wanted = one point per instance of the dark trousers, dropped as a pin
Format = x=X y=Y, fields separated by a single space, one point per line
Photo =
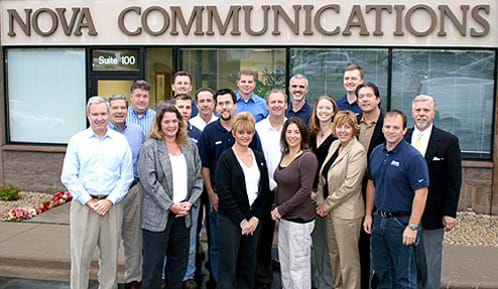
x=264 y=273
x=237 y=263
x=172 y=242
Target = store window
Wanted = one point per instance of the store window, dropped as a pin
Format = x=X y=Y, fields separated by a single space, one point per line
x=324 y=68
x=45 y=94
x=218 y=67
x=461 y=82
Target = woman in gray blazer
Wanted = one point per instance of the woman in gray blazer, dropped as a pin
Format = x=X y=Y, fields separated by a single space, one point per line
x=168 y=196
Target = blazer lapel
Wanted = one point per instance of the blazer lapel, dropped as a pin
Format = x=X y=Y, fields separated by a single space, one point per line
x=165 y=163
x=433 y=145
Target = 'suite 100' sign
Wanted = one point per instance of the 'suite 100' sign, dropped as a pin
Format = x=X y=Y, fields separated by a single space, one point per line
x=307 y=20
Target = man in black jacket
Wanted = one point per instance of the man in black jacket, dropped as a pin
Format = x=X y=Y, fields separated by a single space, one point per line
x=371 y=120
x=442 y=153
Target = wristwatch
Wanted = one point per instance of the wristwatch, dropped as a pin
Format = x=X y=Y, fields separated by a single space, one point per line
x=413 y=227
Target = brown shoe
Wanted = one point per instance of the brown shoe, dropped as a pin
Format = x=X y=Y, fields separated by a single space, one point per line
x=133 y=285
x=189 y=284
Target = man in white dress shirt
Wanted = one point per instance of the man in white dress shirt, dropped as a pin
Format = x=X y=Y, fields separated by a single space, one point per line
x=97 y=171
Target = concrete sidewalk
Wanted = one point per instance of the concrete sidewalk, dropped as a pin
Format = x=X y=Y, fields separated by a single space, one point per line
x=39 y=249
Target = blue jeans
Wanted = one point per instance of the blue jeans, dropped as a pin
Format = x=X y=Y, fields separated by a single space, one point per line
x=394 y=263
x=193 y=243
x=214 y=249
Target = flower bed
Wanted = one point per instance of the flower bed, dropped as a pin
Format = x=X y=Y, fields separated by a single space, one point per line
x=19 y=214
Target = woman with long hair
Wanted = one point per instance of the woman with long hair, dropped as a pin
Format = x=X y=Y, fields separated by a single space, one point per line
x=293 y=207
x=321 y=137
x=168 y=195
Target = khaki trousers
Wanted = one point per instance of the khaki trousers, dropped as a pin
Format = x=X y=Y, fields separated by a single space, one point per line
x=90 y=231
x=343 y=238
x=132 y=234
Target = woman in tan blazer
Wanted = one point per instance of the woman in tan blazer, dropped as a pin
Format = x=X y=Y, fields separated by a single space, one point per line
x=340 y=200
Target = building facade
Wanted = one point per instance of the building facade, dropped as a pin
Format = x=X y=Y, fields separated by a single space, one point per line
x=56 y=54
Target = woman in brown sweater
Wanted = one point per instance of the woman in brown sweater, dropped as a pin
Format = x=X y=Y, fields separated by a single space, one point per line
x=293 y=206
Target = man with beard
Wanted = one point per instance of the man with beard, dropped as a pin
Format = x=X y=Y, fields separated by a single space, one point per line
x=442 y=154
x=216 y=138
x=298 y=89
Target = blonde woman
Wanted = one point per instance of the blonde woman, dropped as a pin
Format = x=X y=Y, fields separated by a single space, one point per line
x=341 y=202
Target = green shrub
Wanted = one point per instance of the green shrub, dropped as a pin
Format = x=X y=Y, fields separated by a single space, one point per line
x=9 y=192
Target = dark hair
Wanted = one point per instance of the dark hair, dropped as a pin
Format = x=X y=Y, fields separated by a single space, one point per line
x=181 y=73
x=225 y=91
x=157 y=133
x=368 y=84
x=302 y=129
x=352 y=67
x=394 y=113
x=142 y=84
x=203 y=89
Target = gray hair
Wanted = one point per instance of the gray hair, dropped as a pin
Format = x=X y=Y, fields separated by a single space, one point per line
x=118 y=96
x=423 y=97
x=96 y=100
x=299 y=76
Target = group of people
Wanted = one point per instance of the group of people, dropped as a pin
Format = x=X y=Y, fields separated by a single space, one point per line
x=344 y=182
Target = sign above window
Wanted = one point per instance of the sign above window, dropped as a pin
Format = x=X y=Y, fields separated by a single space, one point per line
x=115 y=60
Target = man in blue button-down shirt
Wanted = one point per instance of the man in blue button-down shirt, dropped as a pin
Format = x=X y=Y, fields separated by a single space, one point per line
x=247 y=100
x=97 y=171
x=132 y=203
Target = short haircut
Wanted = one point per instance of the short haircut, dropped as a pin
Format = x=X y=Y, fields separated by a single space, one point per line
x=352 y=67
x=423 y=97
x=314 y=122
x=224 y=91
x=96 y=100
x=117 y=96
x=181 y=73
x=142 y=84
x=247 y=72
x=182 y=96
x=347 y=117
x=299 y=76
x=301 y=126
x=395 y=112
x=276 y=90
x=204 y=89
x=156 y=131
x=244 y=121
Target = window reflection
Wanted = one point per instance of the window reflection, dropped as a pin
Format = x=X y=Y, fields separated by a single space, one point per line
x=461 y=82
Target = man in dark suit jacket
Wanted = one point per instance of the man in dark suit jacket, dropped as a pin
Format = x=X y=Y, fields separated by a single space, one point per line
x=371 y=120
x=442 y=153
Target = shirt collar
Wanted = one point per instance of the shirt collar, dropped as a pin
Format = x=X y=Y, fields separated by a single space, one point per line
x=425 y=133
x=396 y=149
x=239 y=98
x=90 y=133
x=115 y=128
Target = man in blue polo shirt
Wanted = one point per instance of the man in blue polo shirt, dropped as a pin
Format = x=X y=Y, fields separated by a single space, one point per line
x=216 y=138
x=353 y=76
x=247 y=100
x=397 y=187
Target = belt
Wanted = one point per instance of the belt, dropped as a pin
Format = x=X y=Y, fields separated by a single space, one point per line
x=385 y=214
x=99 y=197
